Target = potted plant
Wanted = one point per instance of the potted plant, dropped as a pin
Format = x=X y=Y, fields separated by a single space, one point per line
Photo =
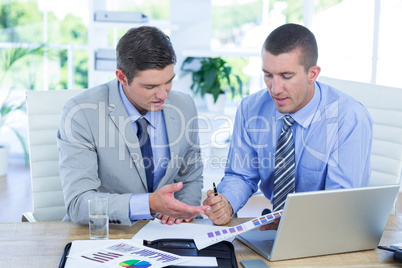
x=212 y=78
x=8 y=58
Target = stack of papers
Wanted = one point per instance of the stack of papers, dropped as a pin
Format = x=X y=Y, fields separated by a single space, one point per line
x=132 y=253
x=127 y=253
x=203 y=235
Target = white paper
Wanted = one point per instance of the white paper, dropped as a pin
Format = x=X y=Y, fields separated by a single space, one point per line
x=198 y=261
x=214 y=235
x=154 y=230
x=80 y=246
x=83 y=245
x=398 y=245
x=123 y=252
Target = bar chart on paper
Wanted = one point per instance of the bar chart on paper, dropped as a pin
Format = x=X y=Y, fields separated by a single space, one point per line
x=212 y=237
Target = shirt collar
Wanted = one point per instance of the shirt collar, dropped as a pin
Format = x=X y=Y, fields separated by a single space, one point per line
x=305 y=115
x=134 y=115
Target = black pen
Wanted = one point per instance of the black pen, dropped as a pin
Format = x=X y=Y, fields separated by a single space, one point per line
x=215 y=191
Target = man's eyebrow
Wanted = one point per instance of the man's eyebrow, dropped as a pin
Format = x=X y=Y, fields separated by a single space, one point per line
x=265 y=71
x=283 y=73
x=155 y=85
x=171 y=78
x=287 y=73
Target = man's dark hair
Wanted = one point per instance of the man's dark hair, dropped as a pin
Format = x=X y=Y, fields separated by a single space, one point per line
x=288 y=37
x=144 y=48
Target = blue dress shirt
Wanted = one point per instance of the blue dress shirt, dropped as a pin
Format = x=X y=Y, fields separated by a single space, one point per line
x=139 y=203
x=332 y=135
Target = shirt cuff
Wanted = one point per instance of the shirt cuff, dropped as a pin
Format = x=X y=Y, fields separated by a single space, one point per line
x=235 y=197
x=139 y=207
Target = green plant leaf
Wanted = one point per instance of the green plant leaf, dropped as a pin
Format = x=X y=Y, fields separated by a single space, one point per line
x=210 y=78
x=213 y=76
x=13 y=55
x=8 y=58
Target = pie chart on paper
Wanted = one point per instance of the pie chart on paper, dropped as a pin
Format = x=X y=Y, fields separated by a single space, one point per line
x=135 y=264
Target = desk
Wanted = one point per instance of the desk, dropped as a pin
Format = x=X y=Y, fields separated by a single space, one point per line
x=41 y=245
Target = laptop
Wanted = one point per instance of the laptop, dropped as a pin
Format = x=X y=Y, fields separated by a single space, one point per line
x=326 y=222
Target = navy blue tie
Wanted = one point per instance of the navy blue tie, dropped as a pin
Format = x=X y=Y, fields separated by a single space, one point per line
x=146 y=151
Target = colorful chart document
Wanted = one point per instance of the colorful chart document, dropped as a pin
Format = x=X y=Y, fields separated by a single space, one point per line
x=214 y=236
x=125 y=253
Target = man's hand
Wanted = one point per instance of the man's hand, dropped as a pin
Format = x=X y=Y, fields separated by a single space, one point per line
x=169 y=220
x=221 y=210
x=163 y=201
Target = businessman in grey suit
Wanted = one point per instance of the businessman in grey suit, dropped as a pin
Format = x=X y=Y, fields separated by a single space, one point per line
x=133 y=139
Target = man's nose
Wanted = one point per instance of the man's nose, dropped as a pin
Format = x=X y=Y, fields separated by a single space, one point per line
x=276 y=86
x=162 y=92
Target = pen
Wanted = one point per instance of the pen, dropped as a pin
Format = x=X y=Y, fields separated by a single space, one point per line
x=215 y=191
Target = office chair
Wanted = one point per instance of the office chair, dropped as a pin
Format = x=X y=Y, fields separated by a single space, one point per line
x=44 y=109
x=384 y=106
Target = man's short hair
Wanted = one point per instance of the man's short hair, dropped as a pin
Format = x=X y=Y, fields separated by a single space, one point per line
x=288 y=37
x=144 y=48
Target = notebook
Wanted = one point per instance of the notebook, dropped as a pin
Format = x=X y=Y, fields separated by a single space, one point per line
x=326 y=222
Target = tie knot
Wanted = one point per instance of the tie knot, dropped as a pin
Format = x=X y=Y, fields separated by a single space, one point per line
x=142 y=124
x=287 y=122
x=142 y=132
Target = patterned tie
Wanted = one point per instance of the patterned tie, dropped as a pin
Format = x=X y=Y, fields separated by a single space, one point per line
x=284 y=176
x=146 y=151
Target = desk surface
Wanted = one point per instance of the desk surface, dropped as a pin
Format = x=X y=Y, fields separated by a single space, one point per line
x=42 y=244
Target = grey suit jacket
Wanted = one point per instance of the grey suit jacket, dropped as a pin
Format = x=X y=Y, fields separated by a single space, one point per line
x=99 y=152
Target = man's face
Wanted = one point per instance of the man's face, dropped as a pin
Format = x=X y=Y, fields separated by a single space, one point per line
x=290 y=87
x=148 y=89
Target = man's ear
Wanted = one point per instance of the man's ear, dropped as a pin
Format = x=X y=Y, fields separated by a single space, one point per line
x=121 y=77
x=313 y=74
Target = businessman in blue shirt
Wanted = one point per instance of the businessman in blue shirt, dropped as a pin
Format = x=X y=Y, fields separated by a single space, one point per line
x=332 y=132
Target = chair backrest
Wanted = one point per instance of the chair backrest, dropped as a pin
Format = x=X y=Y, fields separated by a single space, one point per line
x=44 y=109
x=384 y=106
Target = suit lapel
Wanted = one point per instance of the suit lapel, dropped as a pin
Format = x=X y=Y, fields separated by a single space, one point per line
x=173 y=129
x=127 y=140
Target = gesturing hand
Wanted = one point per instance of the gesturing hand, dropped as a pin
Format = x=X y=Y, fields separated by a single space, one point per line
x=162 y=201
x=169 y=220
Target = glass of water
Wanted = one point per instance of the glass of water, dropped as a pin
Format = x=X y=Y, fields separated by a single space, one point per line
x=98 y=217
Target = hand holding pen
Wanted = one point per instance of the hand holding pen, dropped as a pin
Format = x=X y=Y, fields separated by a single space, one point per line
x=221 y=210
